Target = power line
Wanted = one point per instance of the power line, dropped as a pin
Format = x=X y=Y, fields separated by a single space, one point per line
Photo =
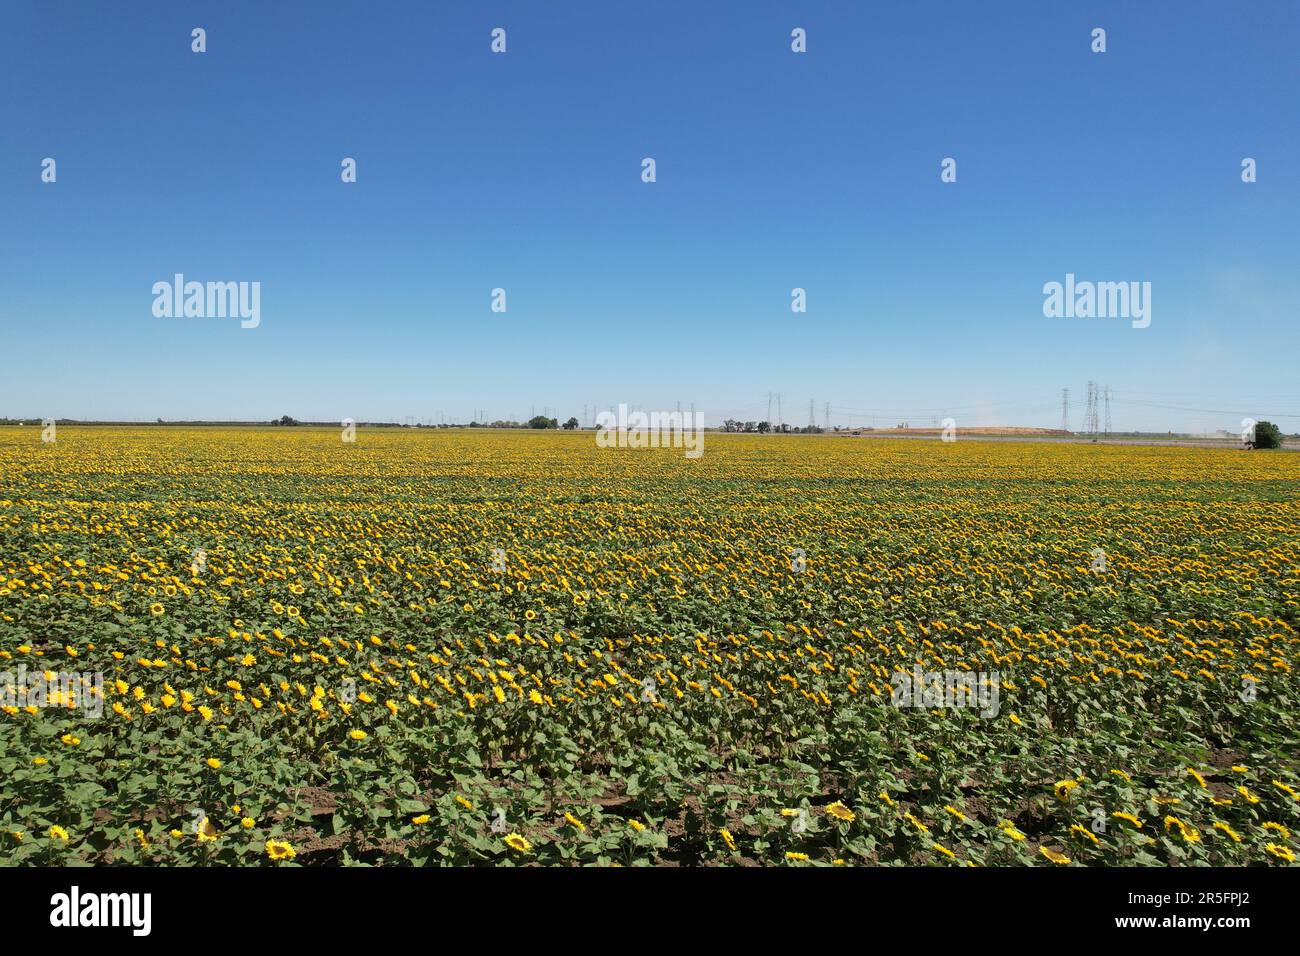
x=975 y=406
x=1185 y=408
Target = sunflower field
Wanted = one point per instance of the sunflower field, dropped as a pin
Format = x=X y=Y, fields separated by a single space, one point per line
x=272 y=646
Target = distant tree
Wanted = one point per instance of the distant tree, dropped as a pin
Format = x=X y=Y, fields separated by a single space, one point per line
x=285 y=420
x=1267 y=435
x=763 y=427
x=571 y=424
x=541 y=421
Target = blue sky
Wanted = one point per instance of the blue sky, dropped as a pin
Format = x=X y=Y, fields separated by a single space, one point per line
x=775 y=171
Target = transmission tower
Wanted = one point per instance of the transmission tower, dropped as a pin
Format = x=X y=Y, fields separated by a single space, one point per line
x=812 y=417
x=1090 y=415
x=826 y=418
x=1065 y=409
x=1107 y=400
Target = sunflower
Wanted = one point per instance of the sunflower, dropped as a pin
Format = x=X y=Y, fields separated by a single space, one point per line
x=280 y=850
x=1289 y=791
x=1189 y=833
x=517 y=843
x=1220 y=825
x=840 y=812
x=1084 y=832
x=1011 y=831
